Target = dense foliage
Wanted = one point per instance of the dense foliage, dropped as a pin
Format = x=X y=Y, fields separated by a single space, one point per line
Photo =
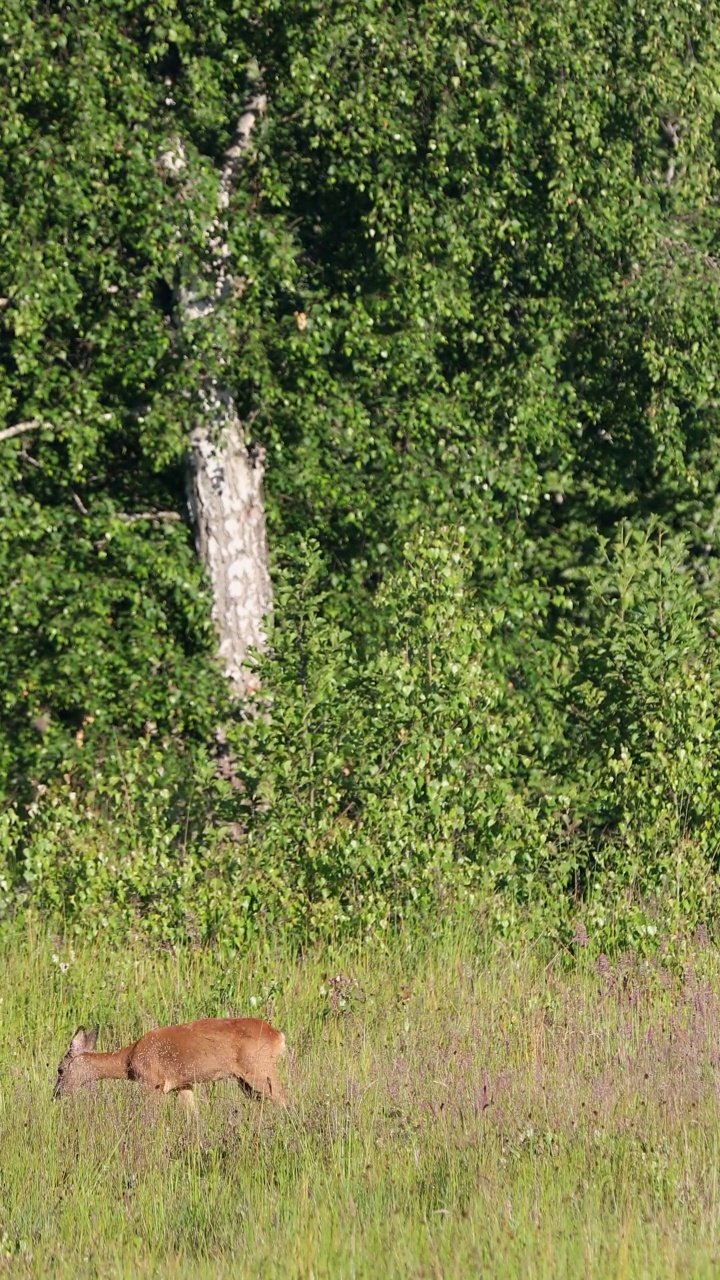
x=477 y=333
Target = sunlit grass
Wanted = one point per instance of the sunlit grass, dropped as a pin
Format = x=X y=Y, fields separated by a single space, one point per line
x=457 y=1110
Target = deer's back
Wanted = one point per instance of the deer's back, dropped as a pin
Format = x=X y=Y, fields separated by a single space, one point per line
x=210 y=1049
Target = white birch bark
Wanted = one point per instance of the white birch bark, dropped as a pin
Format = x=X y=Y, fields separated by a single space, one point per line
x=225 y=495
x=225 y=477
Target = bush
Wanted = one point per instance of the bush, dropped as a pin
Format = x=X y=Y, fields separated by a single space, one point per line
x=391 y=780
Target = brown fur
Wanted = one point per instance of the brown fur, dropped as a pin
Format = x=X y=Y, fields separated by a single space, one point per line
x=174 y=1059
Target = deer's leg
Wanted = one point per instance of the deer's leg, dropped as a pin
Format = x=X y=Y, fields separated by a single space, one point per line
x=186 y=1095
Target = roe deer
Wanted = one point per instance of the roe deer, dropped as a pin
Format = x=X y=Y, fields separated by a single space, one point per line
x=173 y=1059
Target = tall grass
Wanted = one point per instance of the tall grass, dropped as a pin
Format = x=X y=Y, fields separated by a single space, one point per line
x=456 y=1110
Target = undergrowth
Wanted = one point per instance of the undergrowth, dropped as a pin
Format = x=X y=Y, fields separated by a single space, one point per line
x=452 y=761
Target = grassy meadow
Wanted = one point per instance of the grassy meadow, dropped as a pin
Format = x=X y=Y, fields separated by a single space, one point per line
x=457 y=1109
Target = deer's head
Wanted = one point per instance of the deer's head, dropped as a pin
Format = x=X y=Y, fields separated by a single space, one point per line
x=74 y=1070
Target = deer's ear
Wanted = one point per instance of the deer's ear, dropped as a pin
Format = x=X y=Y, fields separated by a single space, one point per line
x=83 y=1041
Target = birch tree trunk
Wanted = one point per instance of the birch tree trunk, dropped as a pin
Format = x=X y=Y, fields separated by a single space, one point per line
x=225 y=495
x=225 y=476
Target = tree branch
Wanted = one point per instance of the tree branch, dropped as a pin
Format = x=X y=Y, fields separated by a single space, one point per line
x=20 y=428
x=26 y=457
x=671 y=244
x=255 y=106
x=199 y=298
x=133 y=517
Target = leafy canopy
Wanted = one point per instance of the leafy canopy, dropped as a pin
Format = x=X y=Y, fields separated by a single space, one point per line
x=477 y=286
